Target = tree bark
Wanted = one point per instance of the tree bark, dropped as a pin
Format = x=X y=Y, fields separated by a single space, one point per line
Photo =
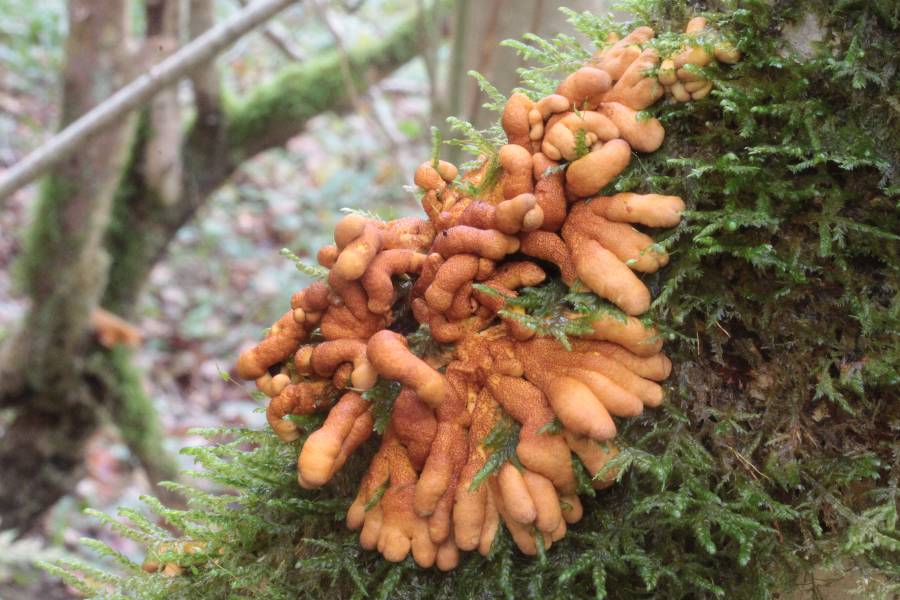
x=64 y=272
x=162 y=161
x=54 y=375
x=498 y=20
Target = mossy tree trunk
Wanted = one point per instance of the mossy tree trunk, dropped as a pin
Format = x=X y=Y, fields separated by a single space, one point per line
x=64 y=272
x=108 y=215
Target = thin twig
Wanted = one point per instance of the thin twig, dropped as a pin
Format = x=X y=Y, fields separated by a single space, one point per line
x=137 y=93
x=428 y=57
x=748 y=464
x=384 y=115
x=723 y=329
x=361 y=108
x=280 y=38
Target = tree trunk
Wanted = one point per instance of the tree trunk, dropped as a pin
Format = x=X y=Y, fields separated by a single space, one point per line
x=64 y=272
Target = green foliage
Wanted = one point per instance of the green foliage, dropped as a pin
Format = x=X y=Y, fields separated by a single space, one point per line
x=497 y=100
x=382 y=396
x=436 y=140
x=368 y=214
x=422 y=344
x=581 y=147
x=501 y=441
x=31 y=41
x=479 y=143
x=776 y=452
x=555 y=310
x=314 y=271
x=556 y=58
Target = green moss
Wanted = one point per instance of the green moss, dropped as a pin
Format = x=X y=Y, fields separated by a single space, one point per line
x=135 y=416
x=776 y=453
x=41 y=244
x=130 y=235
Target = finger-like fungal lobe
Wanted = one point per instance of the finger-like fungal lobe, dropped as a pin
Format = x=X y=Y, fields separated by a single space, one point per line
x=504 y=360
x=390 y=354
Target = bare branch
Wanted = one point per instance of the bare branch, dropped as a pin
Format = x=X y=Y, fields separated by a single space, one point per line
x=429 y=56
x=162 y=160
x=361 y=108
x=280 y=38
x=205 y=80
x=136 y=93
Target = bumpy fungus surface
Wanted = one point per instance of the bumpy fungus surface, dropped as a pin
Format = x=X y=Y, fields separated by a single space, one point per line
x=432 y=489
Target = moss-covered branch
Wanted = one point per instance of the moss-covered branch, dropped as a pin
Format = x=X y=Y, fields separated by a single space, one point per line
x=143 y=225
x=280 y=109
x=132 y=410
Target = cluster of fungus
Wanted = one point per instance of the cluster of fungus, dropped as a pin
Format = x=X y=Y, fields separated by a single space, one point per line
x=425 y=491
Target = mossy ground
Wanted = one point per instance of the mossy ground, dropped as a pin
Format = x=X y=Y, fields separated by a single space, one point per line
x=776 y=453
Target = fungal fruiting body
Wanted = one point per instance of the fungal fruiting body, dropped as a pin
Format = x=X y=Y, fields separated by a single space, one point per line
x=430 y=490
